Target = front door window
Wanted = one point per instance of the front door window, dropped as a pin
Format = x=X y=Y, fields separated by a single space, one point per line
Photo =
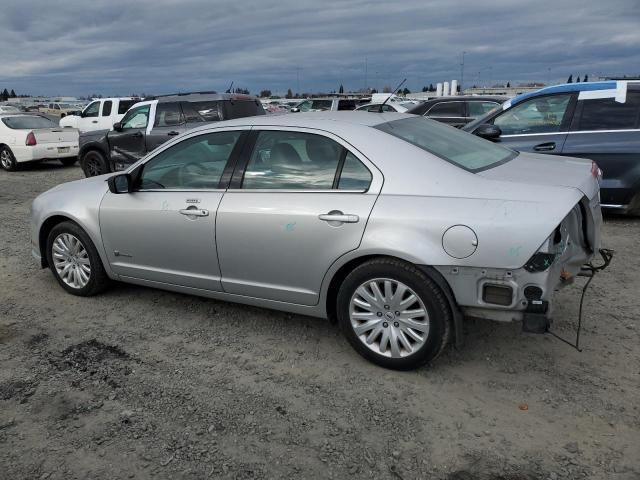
x=136 y=118
x=537 y=115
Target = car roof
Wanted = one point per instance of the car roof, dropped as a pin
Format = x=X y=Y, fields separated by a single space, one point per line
x=201 y=97
x=320 y=120
x=572 y=87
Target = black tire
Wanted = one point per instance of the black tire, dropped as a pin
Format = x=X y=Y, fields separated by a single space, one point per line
x=7 y=160
x=67 y=162
x=94 y=163
x=434 y=300
x=98 y=279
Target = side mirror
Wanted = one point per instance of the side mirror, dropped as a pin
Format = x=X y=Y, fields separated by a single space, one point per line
x=81 y=114
x=295 y=110
x=120 y=183
x=117 y=126
x=488 y=132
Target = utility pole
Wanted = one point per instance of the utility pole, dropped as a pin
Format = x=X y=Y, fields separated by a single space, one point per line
x=365 y=73
x=298 y=80
x=461 y=75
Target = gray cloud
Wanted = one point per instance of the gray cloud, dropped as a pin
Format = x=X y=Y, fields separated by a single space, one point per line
x=113 y=47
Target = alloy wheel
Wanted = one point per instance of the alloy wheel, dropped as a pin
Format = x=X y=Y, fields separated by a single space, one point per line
x=389 y=318
x=93 y=167
x=71 y=260
x=5 y=159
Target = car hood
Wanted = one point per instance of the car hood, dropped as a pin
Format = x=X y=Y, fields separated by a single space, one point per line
x=547 y=170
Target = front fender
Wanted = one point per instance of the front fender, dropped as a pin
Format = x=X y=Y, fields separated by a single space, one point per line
x=80 y=204
x=94 y=141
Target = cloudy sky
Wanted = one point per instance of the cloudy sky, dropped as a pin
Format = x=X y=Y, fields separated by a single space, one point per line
x=70 y=47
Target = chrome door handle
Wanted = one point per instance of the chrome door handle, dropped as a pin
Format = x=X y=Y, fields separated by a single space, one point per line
x=545 y=147
x=339 y=217
x=195 y=212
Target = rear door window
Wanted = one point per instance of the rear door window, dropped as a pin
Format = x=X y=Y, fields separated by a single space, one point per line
x=284 y=160
x=210 y=111
x=447 y=109
x=607 y=114
x=168 y=115
x=106 y=108
x=477 y=109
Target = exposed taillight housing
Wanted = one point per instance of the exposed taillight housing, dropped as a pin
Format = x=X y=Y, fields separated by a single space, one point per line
x=31 y=140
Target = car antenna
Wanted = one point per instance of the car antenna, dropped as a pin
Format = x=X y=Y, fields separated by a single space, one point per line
x=229 y=89
x=391 y=95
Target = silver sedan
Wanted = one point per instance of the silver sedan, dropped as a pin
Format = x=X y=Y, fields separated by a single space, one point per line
x=394 y=225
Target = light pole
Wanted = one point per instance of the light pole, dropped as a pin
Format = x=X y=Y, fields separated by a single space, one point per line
x=461 y=75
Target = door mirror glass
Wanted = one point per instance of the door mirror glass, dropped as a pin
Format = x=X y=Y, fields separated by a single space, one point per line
x=120 y=183
x=488 y=131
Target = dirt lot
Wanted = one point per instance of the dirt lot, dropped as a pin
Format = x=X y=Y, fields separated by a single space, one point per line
x=140 y=383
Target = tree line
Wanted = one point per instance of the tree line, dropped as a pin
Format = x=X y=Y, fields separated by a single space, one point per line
x=6 y=95
x=570 y=79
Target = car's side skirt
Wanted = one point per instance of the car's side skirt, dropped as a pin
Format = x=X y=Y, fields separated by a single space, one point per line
x=312 y=311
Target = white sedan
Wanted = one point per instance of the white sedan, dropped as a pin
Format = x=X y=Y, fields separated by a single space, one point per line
x=31 y=138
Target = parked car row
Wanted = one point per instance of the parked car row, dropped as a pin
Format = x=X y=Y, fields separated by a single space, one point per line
x=568 y=120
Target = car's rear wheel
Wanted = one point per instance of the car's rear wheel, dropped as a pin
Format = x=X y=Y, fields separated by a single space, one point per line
x=93 y=164
x=74 y=260
x=7 y=160
x=67 y=162
x=393 y=314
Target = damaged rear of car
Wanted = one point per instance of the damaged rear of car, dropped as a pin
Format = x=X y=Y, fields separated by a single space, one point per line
x=517 y=229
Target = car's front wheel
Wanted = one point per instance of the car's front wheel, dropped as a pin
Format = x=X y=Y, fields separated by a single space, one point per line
x=394 y=314
x=74 y=260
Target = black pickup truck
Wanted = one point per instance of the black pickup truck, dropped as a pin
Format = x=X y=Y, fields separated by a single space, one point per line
x=151 y=122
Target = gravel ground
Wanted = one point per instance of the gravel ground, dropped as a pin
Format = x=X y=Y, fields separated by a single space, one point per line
x=140 y=383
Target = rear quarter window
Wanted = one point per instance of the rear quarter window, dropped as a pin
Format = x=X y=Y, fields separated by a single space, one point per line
x=244 y=108
x=607 y=114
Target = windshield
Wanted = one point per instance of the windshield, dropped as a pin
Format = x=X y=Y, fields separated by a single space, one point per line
x=66 y=105
x=462 y=149
x=28 y=122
